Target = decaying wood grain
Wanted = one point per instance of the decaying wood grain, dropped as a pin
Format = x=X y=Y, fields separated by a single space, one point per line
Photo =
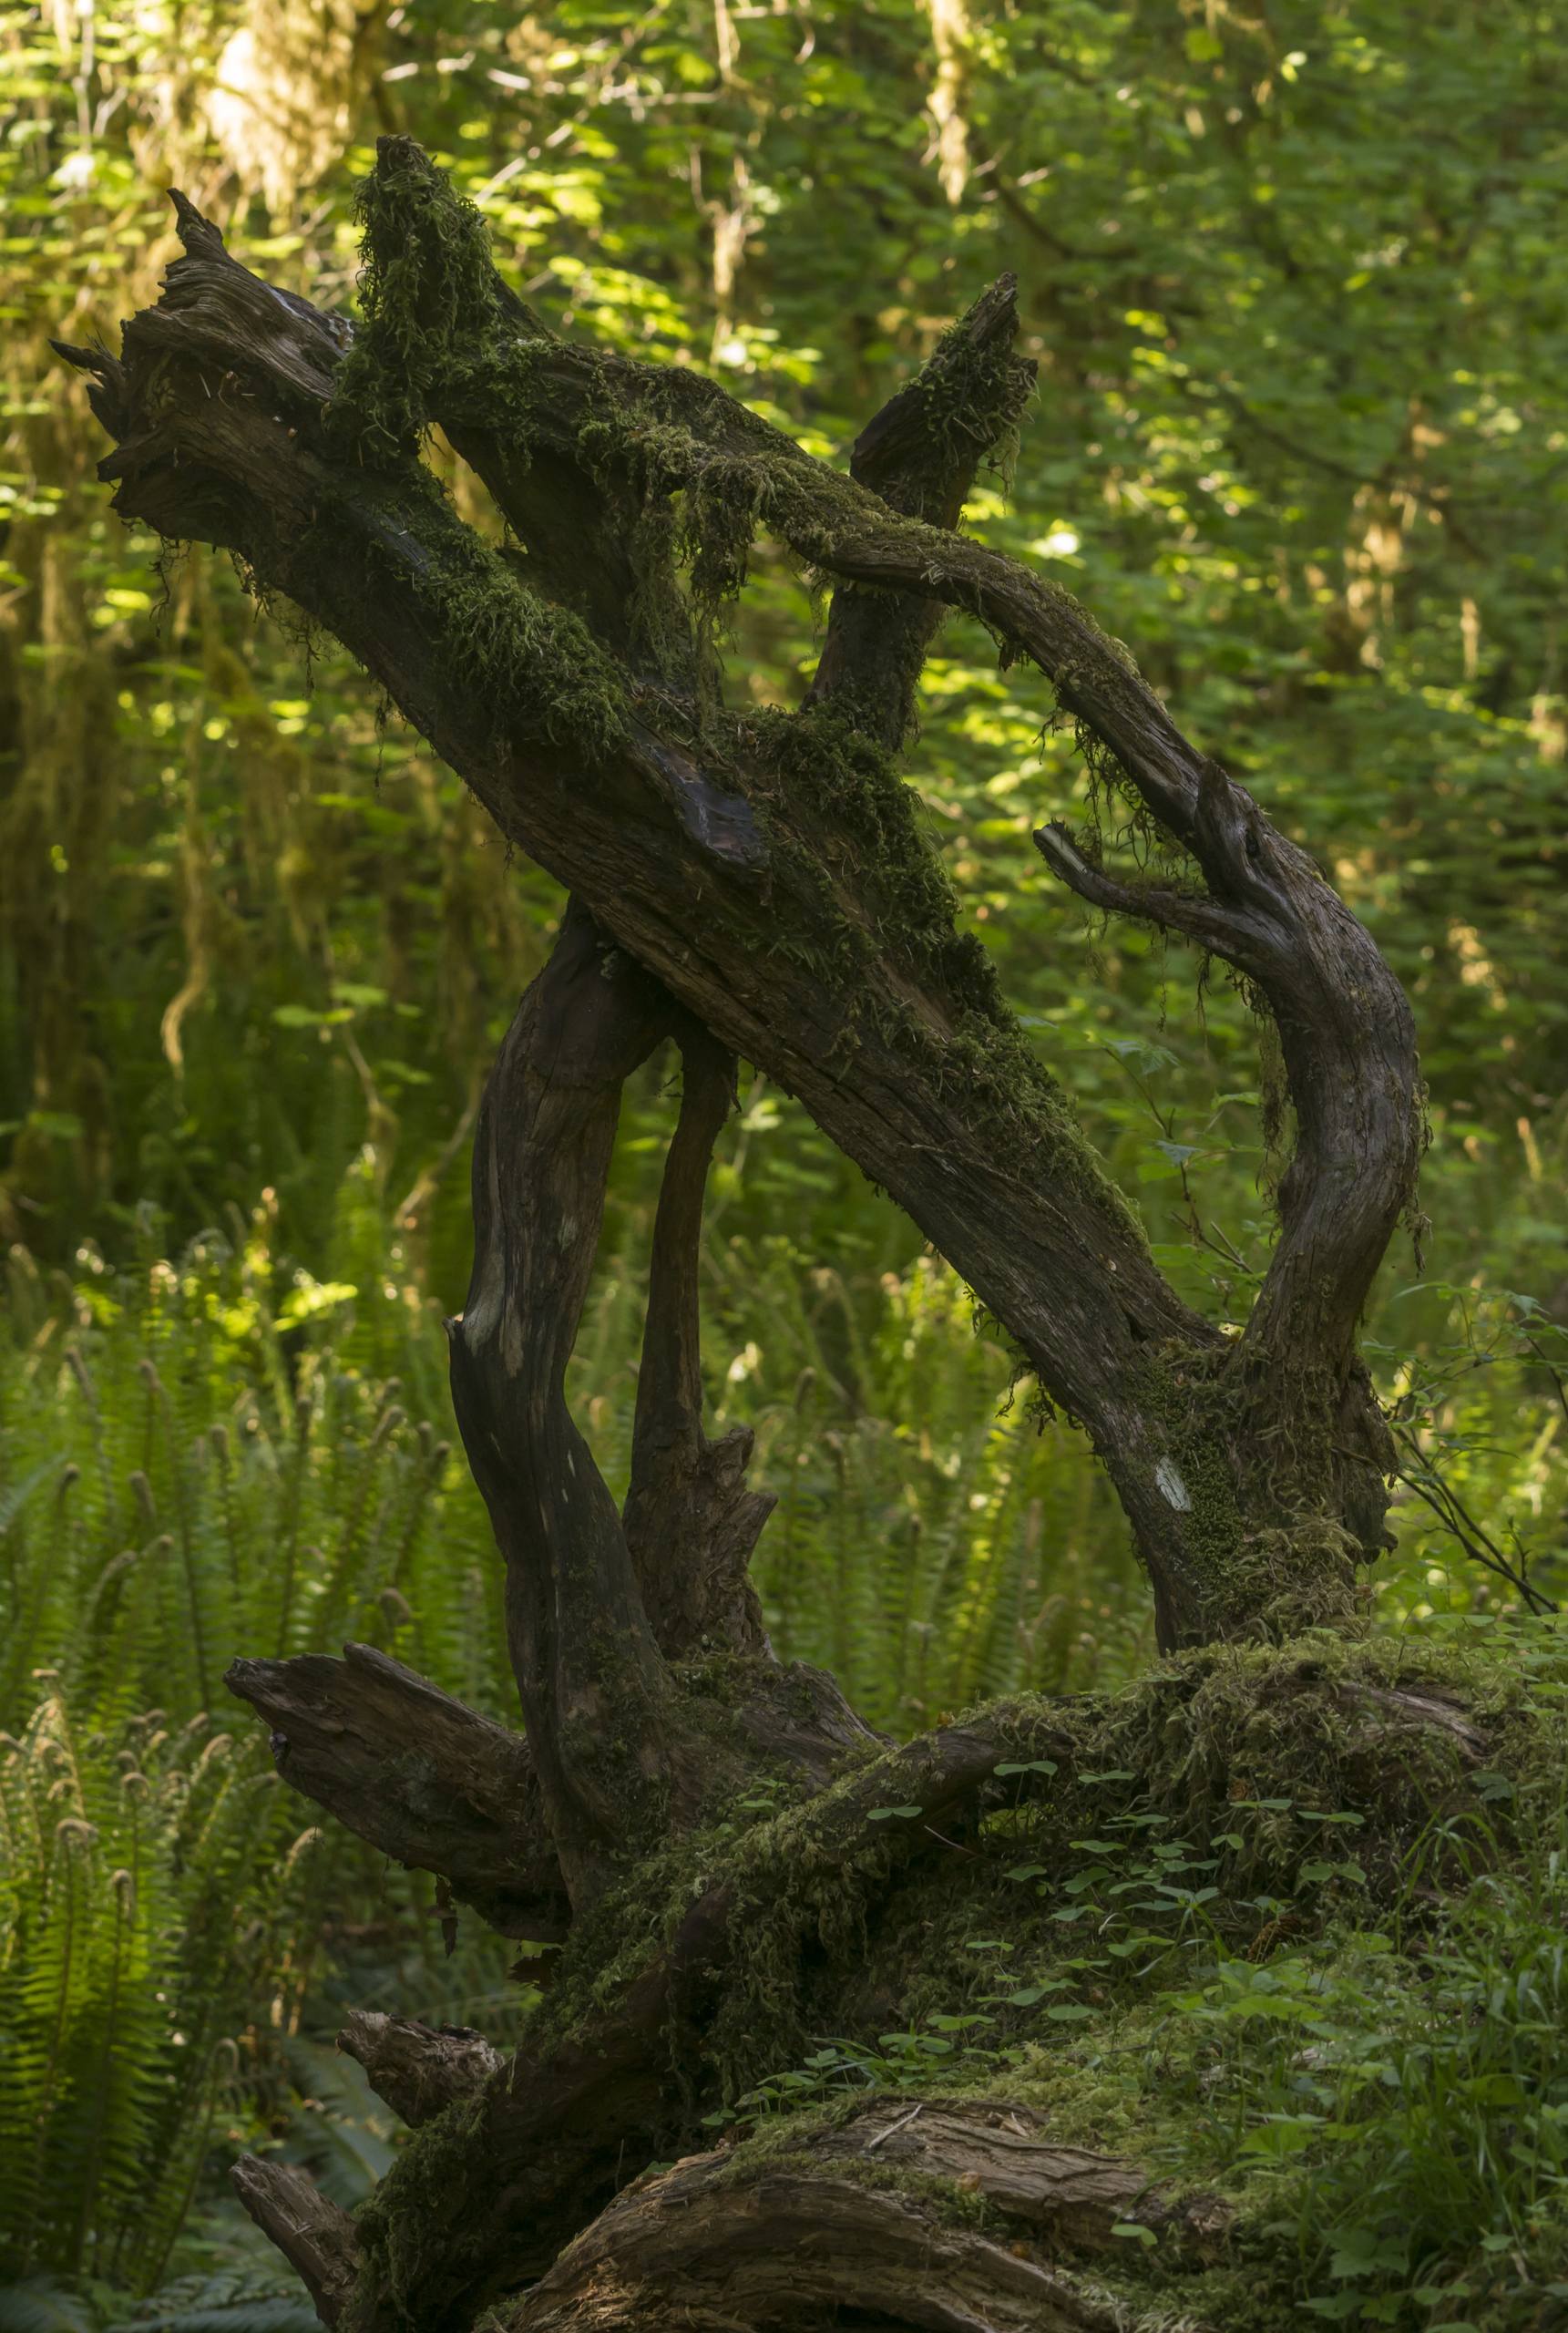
x=419 y=2069
x=709 y=2247
x=315 y=2237
x=424 y=1778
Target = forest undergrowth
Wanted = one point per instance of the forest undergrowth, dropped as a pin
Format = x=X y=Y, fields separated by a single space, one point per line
x=226 y=1452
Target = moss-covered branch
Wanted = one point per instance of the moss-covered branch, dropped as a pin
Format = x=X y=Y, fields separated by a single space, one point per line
x=731 y=1952
x=771 y=870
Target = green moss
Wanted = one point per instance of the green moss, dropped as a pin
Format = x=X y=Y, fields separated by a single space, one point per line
x=1238 y=1753
x=406 y=2225
x=880 y=895
x=974 y=397
x=533 y=669
x=431 y=300
x=1261 y=1535
x=829 y=1933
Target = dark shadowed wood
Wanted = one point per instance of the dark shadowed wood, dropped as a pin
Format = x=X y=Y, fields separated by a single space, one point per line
x=316 y=2237
x=920 y=455
x=418 y=2070
x=690 y=1522
x=598 y=1699
x=424 y=1779
x=693 y=849
x=593 y=1607
x=554 y=2130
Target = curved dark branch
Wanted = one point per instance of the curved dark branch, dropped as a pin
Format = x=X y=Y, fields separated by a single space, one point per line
x=1192 y=913
x=690 y=1522
x=596 y=1693
x=1349 y=1046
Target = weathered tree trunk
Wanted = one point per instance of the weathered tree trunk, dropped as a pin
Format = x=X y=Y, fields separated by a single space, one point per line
x=796 y=2245
x=752 y=885
x=770 y=872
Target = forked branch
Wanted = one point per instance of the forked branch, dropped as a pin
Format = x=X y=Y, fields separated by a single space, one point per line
x=769 y=872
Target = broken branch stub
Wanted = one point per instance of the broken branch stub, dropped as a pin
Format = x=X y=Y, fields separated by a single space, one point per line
x=422 y=1777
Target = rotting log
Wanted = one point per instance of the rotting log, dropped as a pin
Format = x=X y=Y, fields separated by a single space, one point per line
x=792 y=2247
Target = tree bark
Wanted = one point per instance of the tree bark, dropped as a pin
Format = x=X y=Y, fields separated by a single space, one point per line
x=419 y=2069
x=690 y=1522
x=315 y=2237
x=756 y=884
x=770 y=873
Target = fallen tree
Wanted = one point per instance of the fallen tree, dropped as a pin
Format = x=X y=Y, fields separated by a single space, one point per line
x=758 y=884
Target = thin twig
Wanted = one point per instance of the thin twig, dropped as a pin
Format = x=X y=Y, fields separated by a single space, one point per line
x=1438 y=1494
x=902 y=2124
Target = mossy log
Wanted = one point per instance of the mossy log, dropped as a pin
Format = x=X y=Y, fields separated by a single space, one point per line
x=793 y=2248
x=761 y=885
x=721 y=1959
